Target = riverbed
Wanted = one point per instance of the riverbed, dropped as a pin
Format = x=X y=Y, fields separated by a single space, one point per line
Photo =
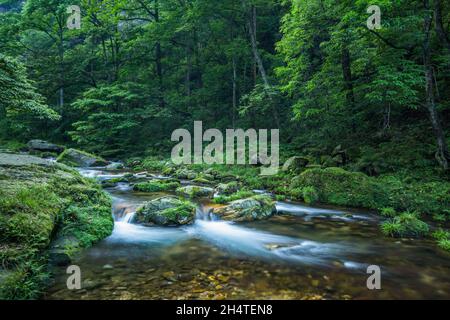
x=300 y=253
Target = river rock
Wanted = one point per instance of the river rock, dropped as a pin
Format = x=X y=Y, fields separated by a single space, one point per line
x=115 y=166
x=19 y=160
x=79 y=158
x=166 y=211
x=227 y=188
x=44 y=146
x=250 y=209
x=295 y=164
x=196 y=192
x=184 y=173
x=60 y=250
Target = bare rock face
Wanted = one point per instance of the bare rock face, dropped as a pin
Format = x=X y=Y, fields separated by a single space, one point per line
x=255 y=208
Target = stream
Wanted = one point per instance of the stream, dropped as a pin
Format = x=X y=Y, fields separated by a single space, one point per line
x=300 y=253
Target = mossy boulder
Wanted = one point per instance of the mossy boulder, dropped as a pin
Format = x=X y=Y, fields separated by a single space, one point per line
x=195 y=192
x=227 y=188
x=157 y=186
x=185 y=174
x=166 y=211
x=255 y=208
x=41 y=202
x=111 y=183
x=340 y=187
x=227 y=177
x=242 y=194
x=295 y=164
x=77 y=158
x=202 y=180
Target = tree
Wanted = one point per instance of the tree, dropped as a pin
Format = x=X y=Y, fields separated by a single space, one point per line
x=20 y=104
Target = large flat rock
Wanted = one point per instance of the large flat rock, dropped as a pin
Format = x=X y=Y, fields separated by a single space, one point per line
x=19 y=160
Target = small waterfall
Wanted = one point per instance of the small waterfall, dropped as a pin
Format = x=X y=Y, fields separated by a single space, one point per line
x=205 y=214
x=128 y=218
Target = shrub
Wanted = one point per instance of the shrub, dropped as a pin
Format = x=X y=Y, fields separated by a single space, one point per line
x=392 y=228
x=444 y=244
x=443 y=239
x=25 y=282
x=426 y=197
x=388 y=212
x=310 y=195
x=153 y=164
x=406 y=224
x=296 y=193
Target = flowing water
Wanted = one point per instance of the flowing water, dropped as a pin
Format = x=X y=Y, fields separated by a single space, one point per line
x=300 y=253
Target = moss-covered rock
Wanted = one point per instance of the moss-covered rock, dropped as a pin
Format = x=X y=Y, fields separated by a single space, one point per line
x=78 y=158
x=195 y=192
x=250 y=209
x=166 y=211
x=41 y=202
x=227 y=188
x=295 y=164
x=111 y=183
x=185 y=174
x=157 y=186
x=203 y=180
x=340 y=187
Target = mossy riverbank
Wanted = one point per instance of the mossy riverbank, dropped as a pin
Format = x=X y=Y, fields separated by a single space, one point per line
x=47 y=213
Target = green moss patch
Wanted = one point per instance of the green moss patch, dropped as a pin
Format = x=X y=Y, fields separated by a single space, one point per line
x=39 y=204
x=157 y=186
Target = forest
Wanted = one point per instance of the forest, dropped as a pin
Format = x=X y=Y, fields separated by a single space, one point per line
x=363 y=116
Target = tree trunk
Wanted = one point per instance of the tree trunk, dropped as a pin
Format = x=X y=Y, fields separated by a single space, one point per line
x=442 y=154
x=348 y=81
x=61 y=65
x=439 y=25
x=158 y=58
x=256 y=55
x=259 y=63
x=347 y=74
x=255 y=67
x=188 y=70
x=234 y=93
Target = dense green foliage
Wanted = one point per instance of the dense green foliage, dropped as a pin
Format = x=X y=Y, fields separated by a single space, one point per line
x=136 y=70
x=21 y=107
